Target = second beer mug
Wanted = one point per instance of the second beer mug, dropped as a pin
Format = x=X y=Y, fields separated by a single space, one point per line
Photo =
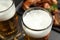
x=8 y=20
x=37 y=24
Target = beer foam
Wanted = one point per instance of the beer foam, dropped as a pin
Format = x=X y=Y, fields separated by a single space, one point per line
x=5 y=4
x=37 y=19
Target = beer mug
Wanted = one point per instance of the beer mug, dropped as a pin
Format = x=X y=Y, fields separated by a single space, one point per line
x=37 y=23
x=8 y=20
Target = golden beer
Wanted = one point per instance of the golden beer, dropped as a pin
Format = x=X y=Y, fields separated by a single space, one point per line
x=9 y=28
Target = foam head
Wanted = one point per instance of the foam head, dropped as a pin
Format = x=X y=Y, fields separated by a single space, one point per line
x=4 y=5
x=37 y=19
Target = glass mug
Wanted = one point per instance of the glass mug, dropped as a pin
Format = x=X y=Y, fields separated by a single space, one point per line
x=37 y=23
x=8 y=20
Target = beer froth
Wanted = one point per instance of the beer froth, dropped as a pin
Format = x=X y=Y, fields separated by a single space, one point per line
x=5 y=4
x=37 y=20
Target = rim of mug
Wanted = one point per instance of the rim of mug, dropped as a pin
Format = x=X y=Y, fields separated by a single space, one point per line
x=7 y=8
x=35 y=8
